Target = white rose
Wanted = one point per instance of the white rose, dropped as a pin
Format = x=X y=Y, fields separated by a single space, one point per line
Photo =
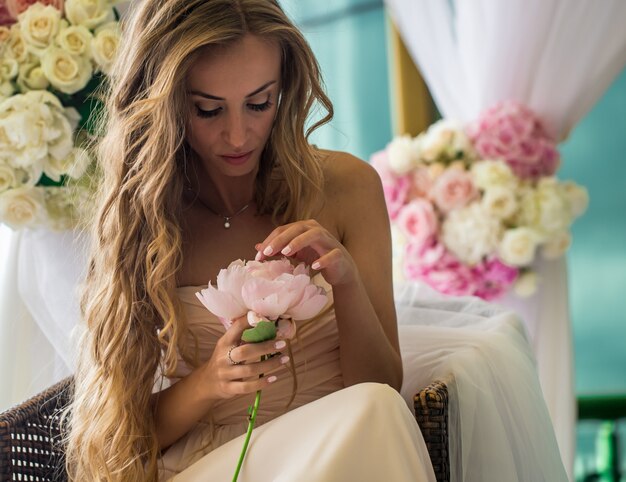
x=60 y=208
x=31 y=77
x=104 y=46
x=6 y=90
x=39 y=26
x=73 y=116
x=32 y=127
x=8 y=68
x=403 y=154
x=489 y=174
x=89 y=13
x=471 y=233
x=499 y=202
x=66 y=72
x=16 y=47
x=554 y=207
x=518 y=245
x=557 y=245
x=22 y=207
x=7 y=177
x=74 y=165
x=526 y=284
x=75 y=39
x=578 y=197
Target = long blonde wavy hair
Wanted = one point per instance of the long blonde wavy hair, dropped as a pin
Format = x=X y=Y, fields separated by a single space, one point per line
x=133 y=321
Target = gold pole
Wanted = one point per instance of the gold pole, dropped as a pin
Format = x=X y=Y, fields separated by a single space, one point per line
x=412 y=106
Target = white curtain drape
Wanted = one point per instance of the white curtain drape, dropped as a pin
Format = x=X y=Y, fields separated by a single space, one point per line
x=555 y=56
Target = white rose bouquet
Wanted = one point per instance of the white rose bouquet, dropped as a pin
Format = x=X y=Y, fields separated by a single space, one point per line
x=471 y=206
x=54 y=54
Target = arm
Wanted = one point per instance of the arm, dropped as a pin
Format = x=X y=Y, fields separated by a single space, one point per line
x=358 y=266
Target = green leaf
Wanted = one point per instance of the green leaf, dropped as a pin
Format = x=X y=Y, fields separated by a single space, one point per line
x=263 y=331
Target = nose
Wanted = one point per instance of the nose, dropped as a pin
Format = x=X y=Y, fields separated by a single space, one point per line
x=235 y=130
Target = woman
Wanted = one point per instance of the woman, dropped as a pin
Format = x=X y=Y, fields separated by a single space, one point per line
x=205 y=161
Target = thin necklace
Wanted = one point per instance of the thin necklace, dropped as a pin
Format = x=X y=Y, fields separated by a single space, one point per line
x=225 y=218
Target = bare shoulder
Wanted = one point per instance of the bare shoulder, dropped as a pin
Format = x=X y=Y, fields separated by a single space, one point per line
x=346 y=176
x=352 y=193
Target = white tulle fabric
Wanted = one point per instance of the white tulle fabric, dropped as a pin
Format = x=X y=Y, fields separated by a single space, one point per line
x=555 y=56
x=501 y=426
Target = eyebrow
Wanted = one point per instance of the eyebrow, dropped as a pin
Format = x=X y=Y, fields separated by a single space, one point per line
x=214 y=97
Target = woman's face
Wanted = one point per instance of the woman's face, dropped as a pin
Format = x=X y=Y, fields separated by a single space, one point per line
x=233 y=93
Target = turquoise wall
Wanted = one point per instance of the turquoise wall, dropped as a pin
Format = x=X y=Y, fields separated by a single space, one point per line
x=349 y=40
x=595 y=156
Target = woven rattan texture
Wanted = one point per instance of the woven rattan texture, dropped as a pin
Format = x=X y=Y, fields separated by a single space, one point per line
x=30 y=449
x=431 y=412
x=30 y=437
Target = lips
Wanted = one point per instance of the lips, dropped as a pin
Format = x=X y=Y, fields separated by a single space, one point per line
x=237 y=159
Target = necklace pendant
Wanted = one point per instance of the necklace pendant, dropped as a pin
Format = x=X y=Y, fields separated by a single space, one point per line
x=226 y=223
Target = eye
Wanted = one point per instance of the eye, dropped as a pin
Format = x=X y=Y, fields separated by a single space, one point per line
x=207 y=113
x=261 y=107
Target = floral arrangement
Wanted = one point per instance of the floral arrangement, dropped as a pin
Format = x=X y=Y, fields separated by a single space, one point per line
x=53 y=56
x=472 y=206
x=273 y=295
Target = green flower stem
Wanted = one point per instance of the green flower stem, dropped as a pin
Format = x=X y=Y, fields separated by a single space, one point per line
x=251 y=419
x=252 y=411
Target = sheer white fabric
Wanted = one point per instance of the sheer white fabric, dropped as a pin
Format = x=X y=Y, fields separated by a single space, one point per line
x=38 y=310
x=555 y=56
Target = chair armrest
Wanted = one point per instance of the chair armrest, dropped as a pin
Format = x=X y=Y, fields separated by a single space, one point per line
x=30 y=436
x=431 y=413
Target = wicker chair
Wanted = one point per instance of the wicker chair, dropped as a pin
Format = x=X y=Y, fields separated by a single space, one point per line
x=30 y=435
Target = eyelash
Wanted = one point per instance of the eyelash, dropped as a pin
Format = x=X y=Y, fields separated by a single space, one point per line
x=212 y=113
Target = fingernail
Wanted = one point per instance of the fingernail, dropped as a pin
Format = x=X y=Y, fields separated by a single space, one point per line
x=286 y=250
x=284 y=359
x=315 y=265
x=271 y=379
x=280 y=344
x=258 y=256
x=267 y=251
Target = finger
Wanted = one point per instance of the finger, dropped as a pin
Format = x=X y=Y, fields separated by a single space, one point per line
x=254 y=351
x=327 y=260
x=278 y=239
x=233 y=334
x=250 y=386
x=316 y=238
x=256 y=369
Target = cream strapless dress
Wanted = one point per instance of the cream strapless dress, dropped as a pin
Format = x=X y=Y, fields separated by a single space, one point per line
x=328 y=433
x=498 y=423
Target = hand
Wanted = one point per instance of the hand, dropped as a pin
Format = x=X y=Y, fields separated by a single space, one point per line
x=311 y=243
x=226 y=380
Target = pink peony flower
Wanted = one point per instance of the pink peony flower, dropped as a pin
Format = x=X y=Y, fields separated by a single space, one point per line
x=418 y=221
x=453 y=189
x=15 y=7
x=264 y=291
x=512 y=132
x=493 y=278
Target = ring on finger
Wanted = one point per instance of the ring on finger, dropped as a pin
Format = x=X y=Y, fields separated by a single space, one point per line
x=230 y=360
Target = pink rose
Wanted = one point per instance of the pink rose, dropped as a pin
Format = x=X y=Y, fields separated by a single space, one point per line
x=422 y=182
x=395 y=188
x=453 y=189
x=512 y=132
x=439 y=268
x=418 y=221
x=5 y=16
x=15 y=7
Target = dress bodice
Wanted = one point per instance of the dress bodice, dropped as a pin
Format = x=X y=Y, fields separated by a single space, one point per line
x=315 y=357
